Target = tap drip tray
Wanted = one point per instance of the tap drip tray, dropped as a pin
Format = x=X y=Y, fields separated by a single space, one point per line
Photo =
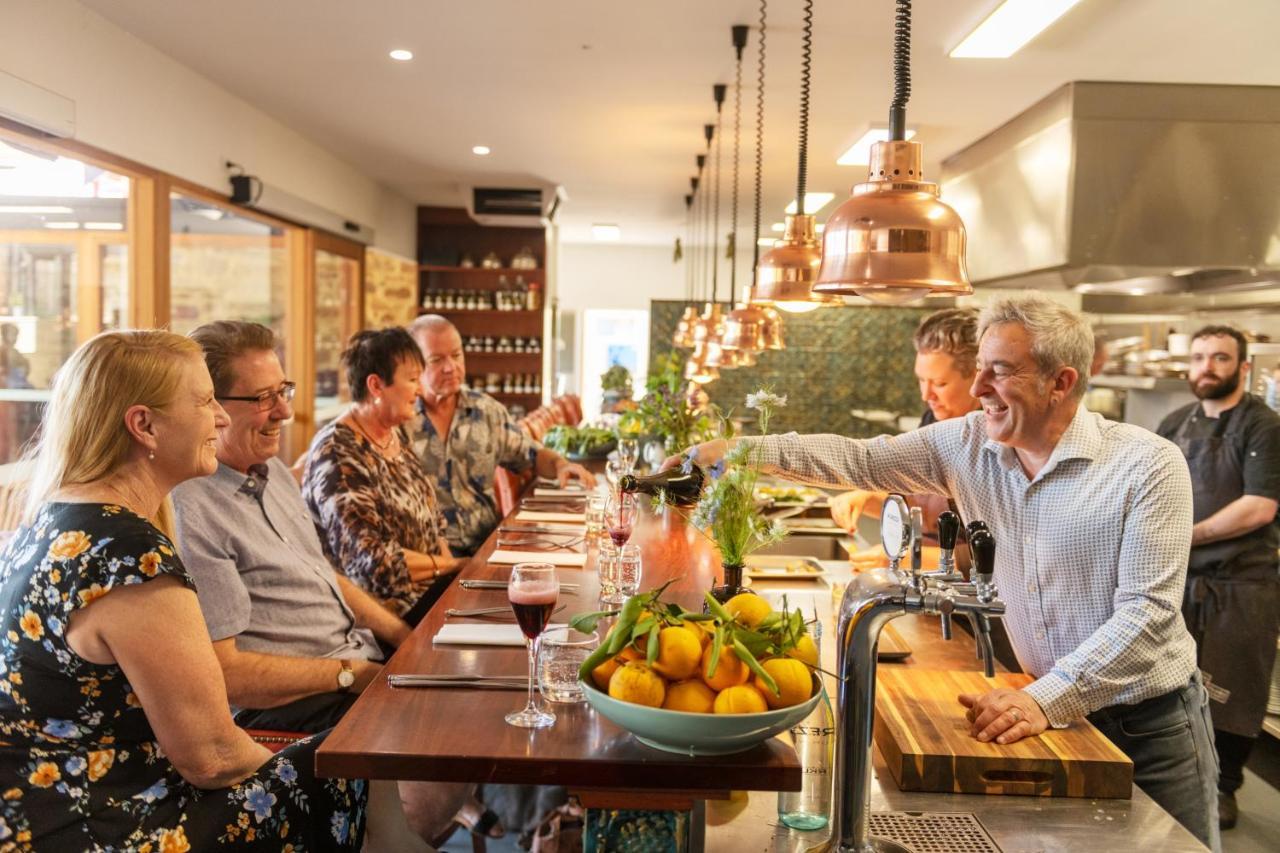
x=933 y=832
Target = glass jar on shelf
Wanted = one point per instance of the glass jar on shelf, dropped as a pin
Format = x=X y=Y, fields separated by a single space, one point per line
x=488 y=344
x=533 y=297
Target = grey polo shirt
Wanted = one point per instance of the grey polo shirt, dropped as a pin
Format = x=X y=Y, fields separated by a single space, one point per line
x=261 y=576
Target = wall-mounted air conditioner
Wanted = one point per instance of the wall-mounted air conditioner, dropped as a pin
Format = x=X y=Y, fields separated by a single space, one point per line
x=514 y=207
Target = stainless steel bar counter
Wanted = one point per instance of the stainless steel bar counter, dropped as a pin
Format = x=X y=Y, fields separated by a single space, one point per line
x=1017 y=824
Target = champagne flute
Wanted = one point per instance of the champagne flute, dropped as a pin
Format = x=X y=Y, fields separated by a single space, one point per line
x=532 y=591
x=629 y=453
x=620 y=516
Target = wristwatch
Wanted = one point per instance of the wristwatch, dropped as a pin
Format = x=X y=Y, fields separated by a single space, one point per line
x=346 y=677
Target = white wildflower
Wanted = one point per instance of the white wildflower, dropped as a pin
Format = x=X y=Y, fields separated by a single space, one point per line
x=762 y=399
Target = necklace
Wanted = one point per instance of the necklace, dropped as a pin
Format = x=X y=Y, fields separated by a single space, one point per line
x=382 y=446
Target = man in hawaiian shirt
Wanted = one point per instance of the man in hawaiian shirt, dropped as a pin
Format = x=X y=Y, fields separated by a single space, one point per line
x=463 y=436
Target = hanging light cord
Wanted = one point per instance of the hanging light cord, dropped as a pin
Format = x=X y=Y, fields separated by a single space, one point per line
x=755 y=240
x=737 y=147
x=715 y=228
x=901 y=71
x=806 y=65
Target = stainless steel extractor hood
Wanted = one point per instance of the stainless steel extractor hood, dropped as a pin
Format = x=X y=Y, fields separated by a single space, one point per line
x=1126 y=188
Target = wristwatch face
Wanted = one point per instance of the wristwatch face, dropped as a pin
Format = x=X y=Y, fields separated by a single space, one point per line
x=346 y=677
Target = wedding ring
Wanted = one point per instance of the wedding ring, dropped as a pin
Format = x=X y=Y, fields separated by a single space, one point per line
x=1016 y=714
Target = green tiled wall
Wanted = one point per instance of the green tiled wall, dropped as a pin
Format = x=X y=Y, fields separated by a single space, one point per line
x=836 y=359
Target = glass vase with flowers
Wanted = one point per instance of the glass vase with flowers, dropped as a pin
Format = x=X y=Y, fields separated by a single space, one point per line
x=728 y=513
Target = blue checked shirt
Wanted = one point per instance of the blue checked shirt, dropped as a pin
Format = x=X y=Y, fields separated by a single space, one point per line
x=1091 y=554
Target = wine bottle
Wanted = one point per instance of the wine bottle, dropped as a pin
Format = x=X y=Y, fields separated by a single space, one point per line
x=681 y=488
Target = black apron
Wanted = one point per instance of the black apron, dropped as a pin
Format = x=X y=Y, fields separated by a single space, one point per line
x=1232 y=594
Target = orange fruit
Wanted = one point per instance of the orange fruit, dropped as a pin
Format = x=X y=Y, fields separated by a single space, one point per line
x=602 y=673
x=638 y=684
x=631 y=653
x=748 y=608
x=678 y=654
x=795 y=684
x=729 y=670
x=805 y=650
x=741 y=699
x=690 y=695
x=703 y=635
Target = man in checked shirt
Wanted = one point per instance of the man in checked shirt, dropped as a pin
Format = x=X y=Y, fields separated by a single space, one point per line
x=1092 y=521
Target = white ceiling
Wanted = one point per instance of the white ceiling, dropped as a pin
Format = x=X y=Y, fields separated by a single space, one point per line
x=608 y=97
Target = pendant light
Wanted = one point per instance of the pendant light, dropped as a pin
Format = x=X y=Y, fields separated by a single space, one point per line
x=743 y=327
x=788 y=271
x=713 y=317
x=894 y=240
x=696 y=368
x=683 y=337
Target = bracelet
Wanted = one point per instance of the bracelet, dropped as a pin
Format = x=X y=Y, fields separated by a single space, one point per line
x=435 y=569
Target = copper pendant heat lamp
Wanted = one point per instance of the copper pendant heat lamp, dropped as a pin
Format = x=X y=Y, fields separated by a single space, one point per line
x=772 y=329
x=894 y=240
x=744 y=329
x=788 y=271
x=683 y=338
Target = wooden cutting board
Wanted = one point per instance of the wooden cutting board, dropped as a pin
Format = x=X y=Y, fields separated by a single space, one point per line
x=892 y=647
x=924 y=737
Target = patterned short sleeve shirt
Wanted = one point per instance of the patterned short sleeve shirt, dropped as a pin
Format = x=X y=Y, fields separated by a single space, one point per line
x=482 y=438
x=1091 y=555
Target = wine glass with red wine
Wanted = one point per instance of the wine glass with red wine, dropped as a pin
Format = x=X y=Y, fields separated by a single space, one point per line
x=620 y=516
x=532 y=591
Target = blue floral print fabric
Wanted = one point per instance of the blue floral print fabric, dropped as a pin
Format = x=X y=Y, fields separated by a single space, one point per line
x=80 y=768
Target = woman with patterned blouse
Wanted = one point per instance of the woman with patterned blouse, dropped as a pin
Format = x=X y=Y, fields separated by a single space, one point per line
x=115 y=732
x=373 y=503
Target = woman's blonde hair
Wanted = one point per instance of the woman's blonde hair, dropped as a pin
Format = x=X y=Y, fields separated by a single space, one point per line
x=83 y=437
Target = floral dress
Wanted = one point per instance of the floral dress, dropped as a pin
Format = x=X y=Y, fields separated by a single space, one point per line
x=368 y=509
x=80 y=768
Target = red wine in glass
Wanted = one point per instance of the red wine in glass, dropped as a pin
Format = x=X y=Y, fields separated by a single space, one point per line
x=532 y=609
x=619 y=533
x=532 y=591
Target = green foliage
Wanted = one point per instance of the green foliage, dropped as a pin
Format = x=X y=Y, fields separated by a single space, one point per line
x=580 y=441
x=663 y=412
x=616 y=378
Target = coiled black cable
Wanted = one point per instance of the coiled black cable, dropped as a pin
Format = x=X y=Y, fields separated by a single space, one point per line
x=901 y=71
x=755 y=240
x=806 y=66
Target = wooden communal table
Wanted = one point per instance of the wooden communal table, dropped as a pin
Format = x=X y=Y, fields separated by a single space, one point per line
x=460 y=735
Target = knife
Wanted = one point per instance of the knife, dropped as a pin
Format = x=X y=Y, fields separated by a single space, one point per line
x=482 y=584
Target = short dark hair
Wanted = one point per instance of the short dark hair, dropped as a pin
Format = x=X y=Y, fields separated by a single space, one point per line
x=1242 y=343
x=377 y=353
x=225 y=340
x=953 y=331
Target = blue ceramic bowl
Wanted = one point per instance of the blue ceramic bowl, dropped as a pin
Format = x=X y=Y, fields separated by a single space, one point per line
x=688 y=733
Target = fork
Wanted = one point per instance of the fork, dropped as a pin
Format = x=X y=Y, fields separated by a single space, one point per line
x=540 y=544
x=486 y=611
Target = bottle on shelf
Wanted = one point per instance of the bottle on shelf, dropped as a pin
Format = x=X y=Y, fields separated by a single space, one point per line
x=814 y=741
x=533 y=298
x=681 y=488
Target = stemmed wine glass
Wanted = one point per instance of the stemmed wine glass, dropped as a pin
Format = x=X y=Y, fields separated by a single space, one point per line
x=533 y=592
x=628 y=453
x=620 y=516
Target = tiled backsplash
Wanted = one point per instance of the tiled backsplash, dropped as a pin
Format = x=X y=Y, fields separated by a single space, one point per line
x=837 y=359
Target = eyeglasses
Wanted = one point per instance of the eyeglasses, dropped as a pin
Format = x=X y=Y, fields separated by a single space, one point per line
x=269 y=399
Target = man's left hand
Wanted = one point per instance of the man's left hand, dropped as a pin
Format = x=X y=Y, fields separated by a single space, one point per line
x=1003 y=715
x=573 y=471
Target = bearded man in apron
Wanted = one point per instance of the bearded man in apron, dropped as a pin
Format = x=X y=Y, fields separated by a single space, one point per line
x=1231 y=440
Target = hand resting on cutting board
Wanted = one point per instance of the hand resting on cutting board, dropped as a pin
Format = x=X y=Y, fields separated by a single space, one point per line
x=1003 y=715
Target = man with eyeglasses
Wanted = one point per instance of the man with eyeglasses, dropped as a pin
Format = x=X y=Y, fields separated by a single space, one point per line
x=463 y=436
x=297 y=641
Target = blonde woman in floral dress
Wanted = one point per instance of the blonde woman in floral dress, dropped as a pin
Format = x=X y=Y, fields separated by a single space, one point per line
x=115 y=731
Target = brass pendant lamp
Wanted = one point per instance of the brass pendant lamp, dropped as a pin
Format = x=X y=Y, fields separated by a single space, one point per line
x=894 y=240
x=787 y=272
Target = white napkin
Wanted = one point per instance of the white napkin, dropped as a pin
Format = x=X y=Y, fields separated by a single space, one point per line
x=558 y=558
x=477 y=634
x=560 y=493
x=533 y=515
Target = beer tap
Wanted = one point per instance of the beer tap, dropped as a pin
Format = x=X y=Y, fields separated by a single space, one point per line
x=870 y=601
x=948 y=531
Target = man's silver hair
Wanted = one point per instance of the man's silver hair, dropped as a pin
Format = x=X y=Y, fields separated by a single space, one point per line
x=1060 y=337
x=429 y=323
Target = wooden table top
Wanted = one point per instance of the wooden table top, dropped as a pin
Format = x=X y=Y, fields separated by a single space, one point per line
x=460 y=735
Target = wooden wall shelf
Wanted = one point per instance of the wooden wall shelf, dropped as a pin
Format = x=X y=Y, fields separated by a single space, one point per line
x=446 y=235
